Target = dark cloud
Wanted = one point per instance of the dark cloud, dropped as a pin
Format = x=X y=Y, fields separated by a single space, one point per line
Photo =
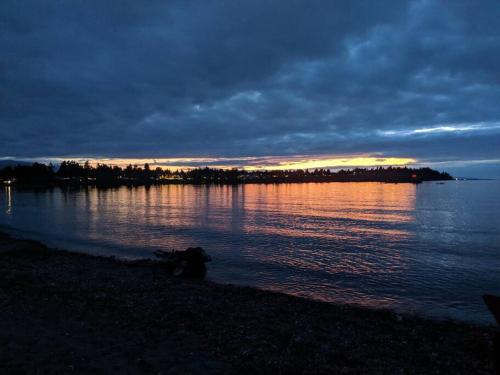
x=249 y=78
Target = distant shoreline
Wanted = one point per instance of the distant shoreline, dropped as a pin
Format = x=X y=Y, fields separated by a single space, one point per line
x=186 y=183
x=71 y=173
x=63 y=310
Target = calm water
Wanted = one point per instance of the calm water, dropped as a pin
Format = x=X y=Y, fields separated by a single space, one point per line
x=429 y=248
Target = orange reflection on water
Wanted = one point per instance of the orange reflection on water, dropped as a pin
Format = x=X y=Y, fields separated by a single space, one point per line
x=373 y=244
x=329 y=227
x=335 y=216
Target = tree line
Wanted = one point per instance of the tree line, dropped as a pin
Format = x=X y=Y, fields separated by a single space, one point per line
x=74 y=173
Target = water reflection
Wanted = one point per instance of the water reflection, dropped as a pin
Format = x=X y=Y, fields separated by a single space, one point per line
x=8 y=193
x=386 y=245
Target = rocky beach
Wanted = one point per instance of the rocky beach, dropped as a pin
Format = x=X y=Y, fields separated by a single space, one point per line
x=64 y=312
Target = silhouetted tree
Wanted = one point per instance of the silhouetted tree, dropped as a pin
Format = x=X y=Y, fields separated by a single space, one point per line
x=71 y=172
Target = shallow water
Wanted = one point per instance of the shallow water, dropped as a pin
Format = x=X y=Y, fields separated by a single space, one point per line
x=431 y=248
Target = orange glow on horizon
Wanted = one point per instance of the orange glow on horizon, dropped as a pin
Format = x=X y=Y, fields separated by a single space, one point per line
x=336 y=163
x=255 y=163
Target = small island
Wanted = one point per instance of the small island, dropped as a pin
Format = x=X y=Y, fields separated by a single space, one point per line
x=72 y=173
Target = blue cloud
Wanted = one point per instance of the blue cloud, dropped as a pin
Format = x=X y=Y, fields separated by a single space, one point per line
x=250 y=78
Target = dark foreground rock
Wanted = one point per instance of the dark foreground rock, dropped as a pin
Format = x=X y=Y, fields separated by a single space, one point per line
x=62 y=312
x=186 y=263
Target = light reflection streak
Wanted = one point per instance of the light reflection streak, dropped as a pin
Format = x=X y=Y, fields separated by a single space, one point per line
x=8 y=190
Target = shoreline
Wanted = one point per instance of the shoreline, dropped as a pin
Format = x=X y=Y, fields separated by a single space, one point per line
x=63 y=311
x=187 y=183
x=73 y=173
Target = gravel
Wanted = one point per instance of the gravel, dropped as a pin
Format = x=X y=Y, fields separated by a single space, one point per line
x=63 y=312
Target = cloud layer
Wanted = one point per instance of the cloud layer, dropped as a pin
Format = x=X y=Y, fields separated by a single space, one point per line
x=234 y=79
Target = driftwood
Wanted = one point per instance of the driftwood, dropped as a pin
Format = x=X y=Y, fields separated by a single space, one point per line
x=189 y=263
x=493 y=303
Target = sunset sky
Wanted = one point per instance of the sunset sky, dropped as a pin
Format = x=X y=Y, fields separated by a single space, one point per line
x=255 y=84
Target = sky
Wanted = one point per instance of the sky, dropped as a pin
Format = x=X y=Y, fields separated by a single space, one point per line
x=255 y=84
